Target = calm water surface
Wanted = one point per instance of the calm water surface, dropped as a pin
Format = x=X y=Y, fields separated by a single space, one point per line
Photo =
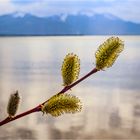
x=111 y=98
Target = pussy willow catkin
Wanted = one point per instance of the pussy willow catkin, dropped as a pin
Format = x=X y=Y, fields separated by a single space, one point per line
x=108 y=52
x=62 y=103
x=70 y=69
x=13 y=104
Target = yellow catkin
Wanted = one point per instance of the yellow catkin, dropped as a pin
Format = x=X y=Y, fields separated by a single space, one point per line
x=108 y=52
x=13 y=104
x=62 y=103
x=70 y=69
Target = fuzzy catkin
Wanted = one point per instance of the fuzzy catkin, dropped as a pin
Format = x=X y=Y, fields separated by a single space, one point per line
x=60 y=104
x=70 y=69
x=13 y=104
x=108 y=52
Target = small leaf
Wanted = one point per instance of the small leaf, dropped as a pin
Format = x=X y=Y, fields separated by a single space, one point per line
x=70 y=69
x=13 y=104
x=108 y=52
x=62 y=103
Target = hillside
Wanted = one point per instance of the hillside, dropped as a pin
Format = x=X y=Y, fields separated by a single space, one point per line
x=69 y=25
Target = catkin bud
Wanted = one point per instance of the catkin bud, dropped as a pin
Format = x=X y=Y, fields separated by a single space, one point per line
x=108 y=52
x=70 y=69
x=62 y=103
x=13 y=104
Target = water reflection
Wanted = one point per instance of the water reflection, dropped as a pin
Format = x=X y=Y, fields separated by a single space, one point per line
x=18 y=133
x=111 y=99
x=115 y=119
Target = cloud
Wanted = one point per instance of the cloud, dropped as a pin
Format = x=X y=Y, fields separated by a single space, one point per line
x=125 y=9
x=24 y=2
x=6 y=7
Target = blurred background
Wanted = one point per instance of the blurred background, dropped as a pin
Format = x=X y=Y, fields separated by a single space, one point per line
x=111 y=98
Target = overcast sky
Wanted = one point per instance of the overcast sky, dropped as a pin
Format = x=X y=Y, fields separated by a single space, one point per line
x=126 y=9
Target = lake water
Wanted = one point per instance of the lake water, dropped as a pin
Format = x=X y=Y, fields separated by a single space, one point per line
x=111 y=98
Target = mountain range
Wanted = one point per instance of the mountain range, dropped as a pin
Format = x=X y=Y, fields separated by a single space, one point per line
x=80 y=24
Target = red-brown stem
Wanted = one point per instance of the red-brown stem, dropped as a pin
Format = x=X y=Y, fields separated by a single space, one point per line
x=38 y=108
x=78 y=81
x=8 y=119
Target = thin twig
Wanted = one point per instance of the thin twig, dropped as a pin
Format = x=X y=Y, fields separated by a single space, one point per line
x=38 y=108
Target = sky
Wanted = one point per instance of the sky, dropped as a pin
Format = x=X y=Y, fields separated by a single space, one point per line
x=125 y=9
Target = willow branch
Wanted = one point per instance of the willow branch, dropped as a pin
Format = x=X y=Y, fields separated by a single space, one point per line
x=38 y=108
x=105 y=57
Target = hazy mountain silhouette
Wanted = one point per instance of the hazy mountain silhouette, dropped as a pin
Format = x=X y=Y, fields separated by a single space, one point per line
x=98 y=24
